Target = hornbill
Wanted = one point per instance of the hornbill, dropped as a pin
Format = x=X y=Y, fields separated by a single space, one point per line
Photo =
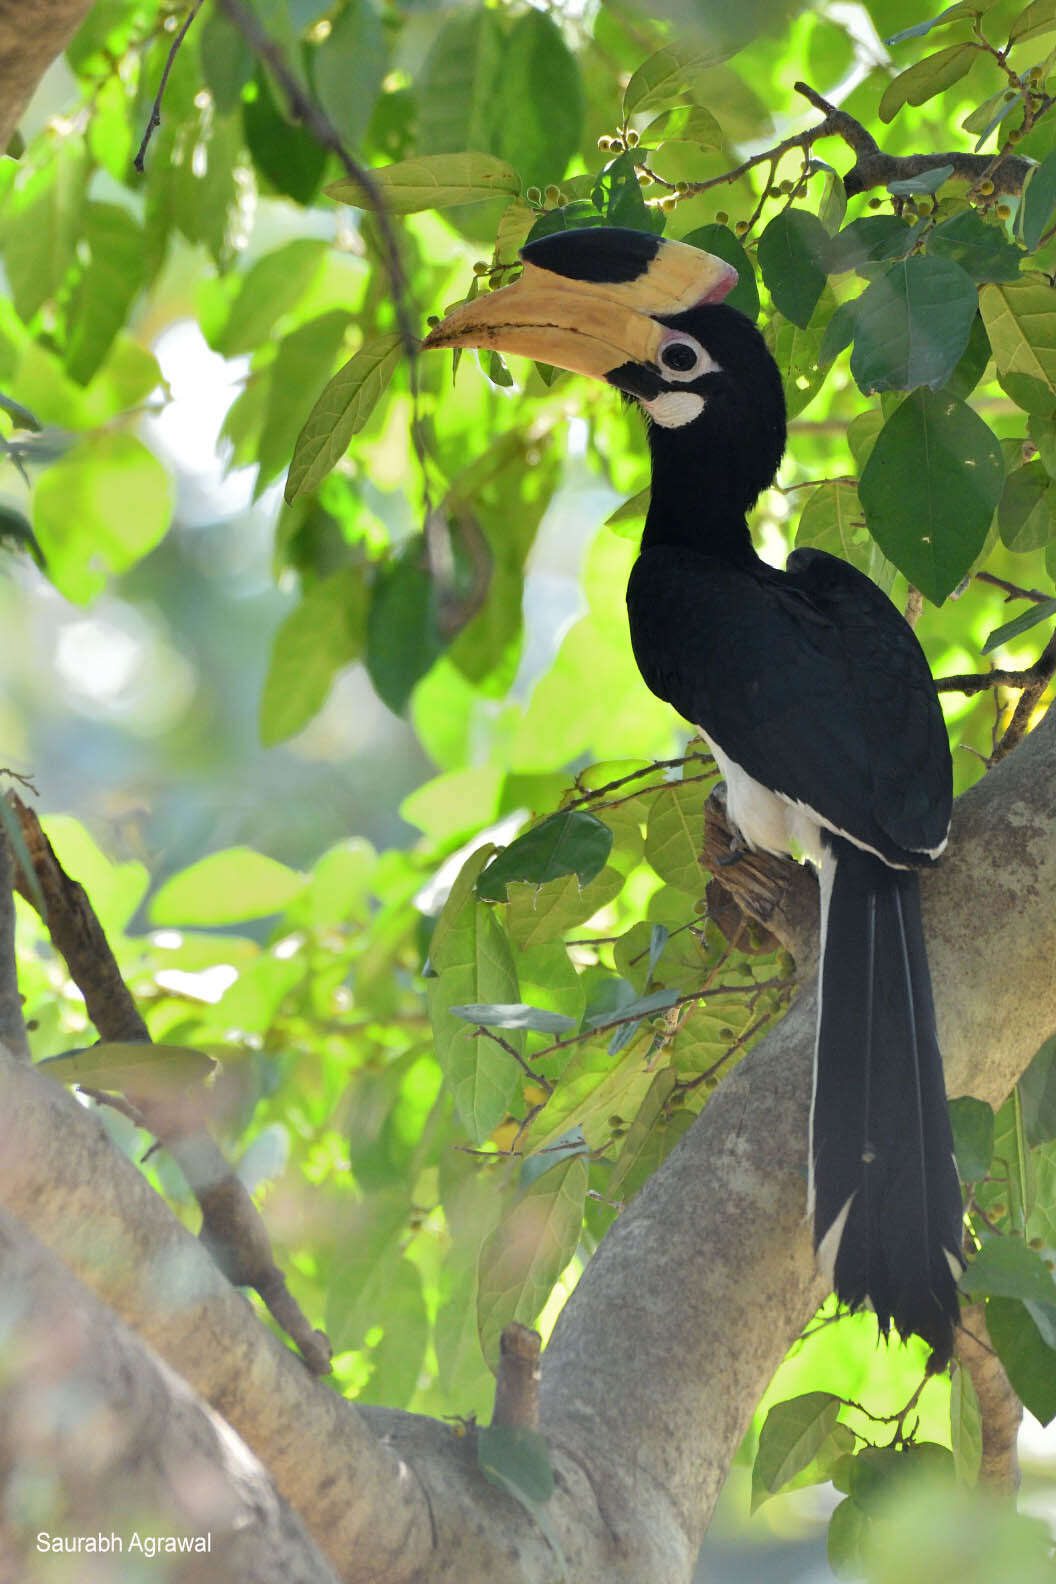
x=820 y=710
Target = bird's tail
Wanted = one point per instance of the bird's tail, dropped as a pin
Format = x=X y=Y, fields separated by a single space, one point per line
x=888 y=1219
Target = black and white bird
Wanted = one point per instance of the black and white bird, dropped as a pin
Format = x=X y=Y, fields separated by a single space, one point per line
x=819 y=707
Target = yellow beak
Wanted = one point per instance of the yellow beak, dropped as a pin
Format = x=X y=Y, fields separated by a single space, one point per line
x=578 y=321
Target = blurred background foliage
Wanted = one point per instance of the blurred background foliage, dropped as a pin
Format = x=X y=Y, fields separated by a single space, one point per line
x=278 y=741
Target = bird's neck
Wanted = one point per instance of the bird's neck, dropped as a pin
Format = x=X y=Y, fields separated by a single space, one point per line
x=697 y=502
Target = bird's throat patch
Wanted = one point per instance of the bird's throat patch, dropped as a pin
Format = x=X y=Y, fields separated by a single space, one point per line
x=674 y=409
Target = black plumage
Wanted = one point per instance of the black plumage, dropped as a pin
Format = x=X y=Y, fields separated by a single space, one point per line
x=810 y=683
x=821 y=711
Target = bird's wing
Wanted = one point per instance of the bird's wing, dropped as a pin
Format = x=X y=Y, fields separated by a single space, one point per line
x=809 y=680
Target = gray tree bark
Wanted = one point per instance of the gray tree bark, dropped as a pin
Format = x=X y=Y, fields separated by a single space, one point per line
x=678 y=1323
x=32 y=33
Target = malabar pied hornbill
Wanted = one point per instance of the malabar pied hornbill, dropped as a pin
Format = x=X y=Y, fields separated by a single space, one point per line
x=819 y=707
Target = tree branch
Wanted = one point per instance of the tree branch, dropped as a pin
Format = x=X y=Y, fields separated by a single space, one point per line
x=28 y=45
x=61 y=1176
x=710 y=1268
x=123 y=1441
x=1001 y=1411
x=12 y=1024
x=872 y=167
x=232 y=1228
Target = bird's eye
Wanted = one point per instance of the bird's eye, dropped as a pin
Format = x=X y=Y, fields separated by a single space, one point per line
x=679 y=356
x=682 y=358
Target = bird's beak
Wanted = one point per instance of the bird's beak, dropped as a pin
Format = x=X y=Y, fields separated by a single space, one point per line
x=588 y=300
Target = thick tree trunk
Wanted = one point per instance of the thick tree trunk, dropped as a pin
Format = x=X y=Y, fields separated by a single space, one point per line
x=32 y=33
x=677 y=1325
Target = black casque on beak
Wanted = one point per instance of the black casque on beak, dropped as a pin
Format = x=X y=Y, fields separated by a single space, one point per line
x=590 y=301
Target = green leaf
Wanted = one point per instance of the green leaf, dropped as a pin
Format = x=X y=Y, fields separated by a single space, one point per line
x=792 y=256
x=135 y=1067
x=516 y=1016
x=403 y=635
x=227 y=63
x=432 y=181
x=571 y=843
x=326 y=631
x=973 y=1137
x=833 y=520
x=341 y=411
x=974 y=360
x=638 y=1006
x=1026 y=516
x=303 y=362
x=518 y=1460
x=791 y=1436
x=912 y=325
x=928 y=182
x=982 y=250
x=106 y=290
x=1019 y=625
x=668 y=76
x=226 y=888
x=720 y=240
x=928 y=77
x=1006 y=1268
x=1039 y=17
x=839 y=332
x=847 y=1532
x=686 y=124
x=104 y=504
x=571 y=1143
x=989 y=115
x=1021 y=322
x=1029 y=1363
x=935 y=452
x=575 y=216
x=633 y=510
x=287 y=154
x=675 y=833
x=1037 y=1093
x=41 y=226
x=528 y=1250
x=951 y=14
x=270 y=288
x=20 y=416
x=541 y=98
x=474 y=963
x=640 y=1135
x=515 y=224
x=348 y=66
x=541 y=913
x=456 y=101
x=966 y=1428
x=593 y=1089
x=1038 y=202
x=870 y=240
x=797 y=353
x=618 y=195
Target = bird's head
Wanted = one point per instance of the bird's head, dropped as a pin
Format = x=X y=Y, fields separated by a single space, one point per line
x=645 y=315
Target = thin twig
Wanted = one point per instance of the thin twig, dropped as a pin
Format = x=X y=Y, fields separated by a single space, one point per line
x=155 y=110
x=1012 y=590
x=636 y=775
x=1042 y=672
x=522 y=1061
x=311 y=115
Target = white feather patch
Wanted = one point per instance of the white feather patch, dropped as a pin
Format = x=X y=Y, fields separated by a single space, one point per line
x=675 y=409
